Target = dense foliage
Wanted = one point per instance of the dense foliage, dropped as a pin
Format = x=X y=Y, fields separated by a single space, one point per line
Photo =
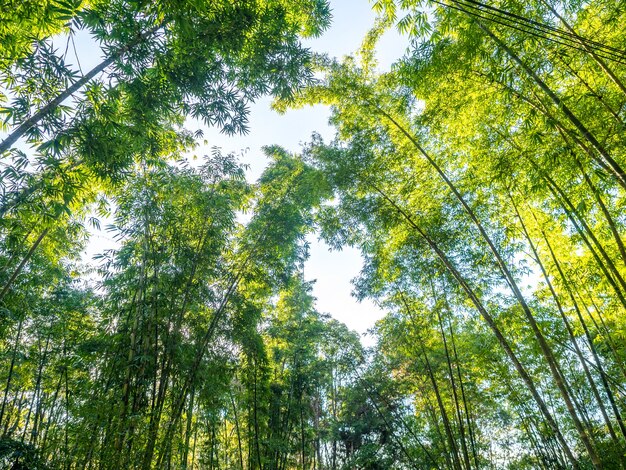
x=481 y=178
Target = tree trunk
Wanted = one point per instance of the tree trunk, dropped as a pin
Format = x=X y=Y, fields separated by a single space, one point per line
x=457 y=407
x=491 y=323
x=23 y=128
x=19 y=268
x=11 y=367
x=543 y=344
x=617 y=171
x=568 y=326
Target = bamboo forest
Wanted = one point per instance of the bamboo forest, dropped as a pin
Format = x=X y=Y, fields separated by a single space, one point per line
x=480 y=177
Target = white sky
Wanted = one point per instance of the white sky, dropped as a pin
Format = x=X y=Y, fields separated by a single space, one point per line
x=332 y=271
